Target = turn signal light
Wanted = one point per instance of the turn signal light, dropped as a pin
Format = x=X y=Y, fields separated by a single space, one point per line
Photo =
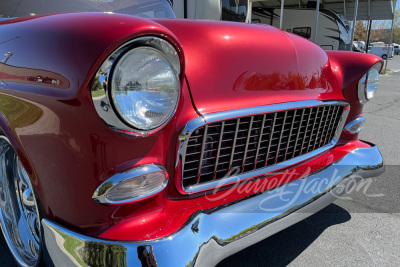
x=132 y=185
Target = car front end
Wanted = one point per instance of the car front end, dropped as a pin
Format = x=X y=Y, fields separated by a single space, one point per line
x=176 y=142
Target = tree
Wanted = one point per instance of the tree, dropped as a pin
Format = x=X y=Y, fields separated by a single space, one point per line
x=396 y=28
x=381 y=31
x=360 y=32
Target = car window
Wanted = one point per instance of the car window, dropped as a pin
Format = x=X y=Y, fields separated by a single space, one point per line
x=234 y=10
x=141 y=8
x=303 y=31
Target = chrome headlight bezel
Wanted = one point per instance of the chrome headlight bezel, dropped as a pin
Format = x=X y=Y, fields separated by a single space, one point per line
x=105 y=105
x=363 y=86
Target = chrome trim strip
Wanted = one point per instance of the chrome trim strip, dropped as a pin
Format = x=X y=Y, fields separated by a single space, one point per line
x=208 y=237
x=193 y=124
x=350 y=124
x=101 y=192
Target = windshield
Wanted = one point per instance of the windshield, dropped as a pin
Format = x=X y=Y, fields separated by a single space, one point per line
x=141 y=8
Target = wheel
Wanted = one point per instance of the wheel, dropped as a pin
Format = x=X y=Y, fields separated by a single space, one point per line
x=384 y=56
x=19 y=214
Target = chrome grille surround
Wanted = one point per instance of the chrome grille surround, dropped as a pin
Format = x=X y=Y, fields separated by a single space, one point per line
x=271 y=118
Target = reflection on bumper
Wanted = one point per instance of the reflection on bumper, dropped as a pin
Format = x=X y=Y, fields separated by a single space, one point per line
x=214 y=235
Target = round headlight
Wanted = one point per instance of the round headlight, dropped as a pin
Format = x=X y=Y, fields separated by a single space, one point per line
x=368 y=85
x=144 y=88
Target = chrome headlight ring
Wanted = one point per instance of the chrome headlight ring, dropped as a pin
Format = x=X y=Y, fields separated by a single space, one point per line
x=368 y=84
x=136 y=90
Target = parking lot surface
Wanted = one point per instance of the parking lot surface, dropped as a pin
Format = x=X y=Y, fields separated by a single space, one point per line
x=357 y=231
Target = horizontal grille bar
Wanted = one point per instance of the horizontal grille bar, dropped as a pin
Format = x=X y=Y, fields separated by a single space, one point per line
x=220 y=149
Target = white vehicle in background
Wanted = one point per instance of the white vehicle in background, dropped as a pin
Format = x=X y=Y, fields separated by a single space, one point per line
x=381 y=51
x=396 y=48
x=333 y=29
x=377 y=44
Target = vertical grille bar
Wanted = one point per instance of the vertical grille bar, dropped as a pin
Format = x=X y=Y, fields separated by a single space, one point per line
x=290 y=133
x=202 y=153
x=312 y=131
x=305 y=132
x=324 y=130
x=270 y=140
x=332 y=123
x=234 y=145
x=259 y=141
x=298 y=132
x=221 y=133
x=280 y=138
x=247 y=142
x=319 y=127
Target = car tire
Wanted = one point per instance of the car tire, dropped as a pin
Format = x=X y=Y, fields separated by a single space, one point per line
x=19 y=213
x=384 y=56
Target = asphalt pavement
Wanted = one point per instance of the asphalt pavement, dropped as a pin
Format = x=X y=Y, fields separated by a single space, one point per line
x=361 y=230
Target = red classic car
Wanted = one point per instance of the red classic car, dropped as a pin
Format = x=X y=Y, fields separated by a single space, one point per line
x=133 y=140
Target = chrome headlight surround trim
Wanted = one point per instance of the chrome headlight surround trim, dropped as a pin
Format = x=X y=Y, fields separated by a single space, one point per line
x=100 y=194
x=363 y=84
x=195 y=123
x=102 y=82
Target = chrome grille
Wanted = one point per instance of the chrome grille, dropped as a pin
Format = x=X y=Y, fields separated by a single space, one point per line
x=220 y=149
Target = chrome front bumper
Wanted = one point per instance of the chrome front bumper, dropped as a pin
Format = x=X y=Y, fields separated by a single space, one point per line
x=211 y=236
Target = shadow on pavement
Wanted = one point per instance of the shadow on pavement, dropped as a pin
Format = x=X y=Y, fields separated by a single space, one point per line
x=283 y=247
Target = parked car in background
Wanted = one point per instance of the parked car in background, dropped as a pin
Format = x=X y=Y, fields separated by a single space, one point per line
x=377 y=44
x=382 y=51
x=396 y=48
x=130 y=138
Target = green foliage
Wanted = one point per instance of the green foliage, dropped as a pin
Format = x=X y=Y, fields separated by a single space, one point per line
x=96 y=84
x=104 y=187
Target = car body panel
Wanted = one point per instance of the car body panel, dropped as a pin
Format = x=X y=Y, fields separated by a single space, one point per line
x=228 y=68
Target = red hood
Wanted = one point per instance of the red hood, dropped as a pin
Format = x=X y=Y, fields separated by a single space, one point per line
x=237 y=65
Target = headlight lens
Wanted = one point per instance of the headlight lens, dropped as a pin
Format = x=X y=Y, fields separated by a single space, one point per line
x=144 y=88
x=372 y=83
x=368 y=85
